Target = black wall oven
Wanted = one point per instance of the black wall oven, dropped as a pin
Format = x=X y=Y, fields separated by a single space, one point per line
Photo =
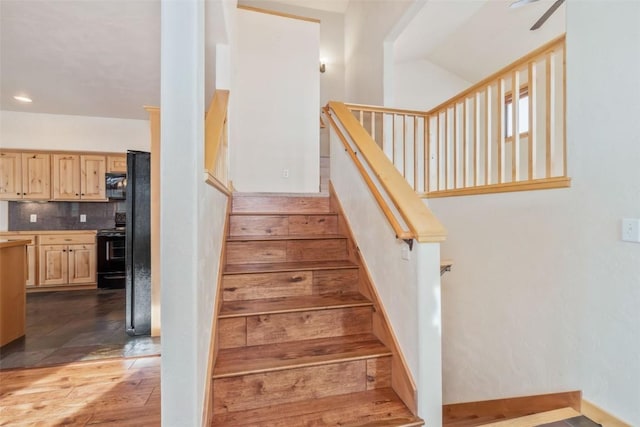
x=111 y=259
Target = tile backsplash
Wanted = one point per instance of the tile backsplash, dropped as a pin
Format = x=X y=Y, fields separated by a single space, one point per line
x=63 y=215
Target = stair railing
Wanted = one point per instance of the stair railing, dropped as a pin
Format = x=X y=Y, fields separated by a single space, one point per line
x=489 y=138
x=409 y=217
x=216 y=145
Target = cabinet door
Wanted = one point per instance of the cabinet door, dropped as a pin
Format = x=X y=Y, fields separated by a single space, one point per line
x=92 y=178
x=31 y=266
x=66 y=177
x=53 y=265
x=82 y=264
x=10 y=176
x=117 y=164
x=36 y=176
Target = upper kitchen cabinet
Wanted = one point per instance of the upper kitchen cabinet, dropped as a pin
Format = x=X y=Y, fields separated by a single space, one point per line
x=24 y=176
x=79 y=177
x=117 y=164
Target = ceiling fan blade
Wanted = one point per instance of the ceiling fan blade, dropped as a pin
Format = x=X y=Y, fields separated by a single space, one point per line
x=519 y=3
x=546 y=15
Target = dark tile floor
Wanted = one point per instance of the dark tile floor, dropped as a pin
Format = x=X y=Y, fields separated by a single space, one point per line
x=64 y=327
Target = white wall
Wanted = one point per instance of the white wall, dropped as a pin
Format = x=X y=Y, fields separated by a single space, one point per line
x=422 y=85
x=544 y=296
x=409 y=290
x=275 y=108
x=331 y=44
x=367 y=25
x=37 y=131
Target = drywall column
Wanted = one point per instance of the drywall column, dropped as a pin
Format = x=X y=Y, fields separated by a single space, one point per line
x=429 y=378
x=182 y=112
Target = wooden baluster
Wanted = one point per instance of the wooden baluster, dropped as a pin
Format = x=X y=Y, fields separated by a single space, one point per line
x=446 y=148
x=373 y=125
x=476 y=140
x=415 y=153
x=427 y=154
x=465 y=152
x=362 y=118
x=487 y=133
x=501 y=129
x=455 y=145
x=550 y=112
x=438 y=152
x=515 y=125
x=404 y=145
x=393 y=139
x=564 y=110
x=533 y=123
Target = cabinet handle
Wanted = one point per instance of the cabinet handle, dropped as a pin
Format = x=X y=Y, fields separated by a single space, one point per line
x=64 y=250
x=24 y=194
x=70 y=250
x=18 y=194
x=77 y=194
x=82 y=194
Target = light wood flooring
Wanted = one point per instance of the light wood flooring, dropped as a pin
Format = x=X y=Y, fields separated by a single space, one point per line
x=123 y=392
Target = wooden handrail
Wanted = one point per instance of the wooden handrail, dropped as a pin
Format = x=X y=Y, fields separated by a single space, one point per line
x=422 y=224
x=397 y=228
x=376 y=109
x=215 y=132
x=518 y=63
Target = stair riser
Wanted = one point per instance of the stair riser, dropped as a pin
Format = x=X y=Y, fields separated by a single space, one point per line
x=252 y=391
x=236 y=287
x=257 y=252
x=285 y=327
x=271 y=204
x=282 y=225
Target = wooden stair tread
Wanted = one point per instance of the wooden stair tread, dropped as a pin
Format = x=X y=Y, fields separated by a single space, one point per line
x=283 y=214
x=297 y=354
x=288 y=266
x=537 y=419
x=285 y=237
x=291 y=304
x=367 y=408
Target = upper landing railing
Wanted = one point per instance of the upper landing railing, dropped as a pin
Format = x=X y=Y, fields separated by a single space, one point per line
x=489 y=138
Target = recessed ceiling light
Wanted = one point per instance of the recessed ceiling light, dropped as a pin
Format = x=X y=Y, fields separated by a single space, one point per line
x=22 y=98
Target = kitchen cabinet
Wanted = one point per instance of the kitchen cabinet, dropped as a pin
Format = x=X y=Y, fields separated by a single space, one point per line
x=25 y=176
x=66 y=260
x=31 y=255
x=117 y=164
x=79 y=177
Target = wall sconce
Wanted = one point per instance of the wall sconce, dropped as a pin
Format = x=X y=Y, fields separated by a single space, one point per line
x=323 y=65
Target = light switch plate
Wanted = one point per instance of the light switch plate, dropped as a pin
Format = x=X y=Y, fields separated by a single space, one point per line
x=631 y=230
x=33 y=218
x=83 y=218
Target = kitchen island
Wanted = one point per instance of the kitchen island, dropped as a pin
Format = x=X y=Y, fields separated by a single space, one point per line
x=13 y=277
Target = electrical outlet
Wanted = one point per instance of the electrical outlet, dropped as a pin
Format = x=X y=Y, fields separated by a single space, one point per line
x=285 y=173
x=83 y=218
x=631 y=230
x=33 y=218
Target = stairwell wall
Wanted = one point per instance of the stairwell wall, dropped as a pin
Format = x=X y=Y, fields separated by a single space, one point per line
x=543 y=295
x=409 y=289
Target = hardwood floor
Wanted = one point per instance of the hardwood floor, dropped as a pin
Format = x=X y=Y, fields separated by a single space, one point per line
x=123 y=392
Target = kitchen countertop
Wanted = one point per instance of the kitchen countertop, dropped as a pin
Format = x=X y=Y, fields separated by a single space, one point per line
x=31 y=232
x=4 y=243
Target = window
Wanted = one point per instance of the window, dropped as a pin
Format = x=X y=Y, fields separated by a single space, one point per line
x=523 y=113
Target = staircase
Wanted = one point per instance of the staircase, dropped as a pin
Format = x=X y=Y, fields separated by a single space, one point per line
x=295 y=334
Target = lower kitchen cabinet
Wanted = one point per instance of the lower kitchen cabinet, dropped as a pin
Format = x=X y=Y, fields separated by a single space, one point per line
x=55 y=259
x=63 y=265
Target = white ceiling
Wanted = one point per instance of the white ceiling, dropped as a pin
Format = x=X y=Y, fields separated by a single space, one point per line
x=102 y=57
x=475 y=38
x=80 y=57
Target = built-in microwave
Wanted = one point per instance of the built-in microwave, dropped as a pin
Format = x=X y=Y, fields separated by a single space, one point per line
x=116 y=186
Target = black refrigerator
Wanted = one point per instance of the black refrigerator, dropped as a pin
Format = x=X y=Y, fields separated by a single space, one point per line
x=138 y=243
